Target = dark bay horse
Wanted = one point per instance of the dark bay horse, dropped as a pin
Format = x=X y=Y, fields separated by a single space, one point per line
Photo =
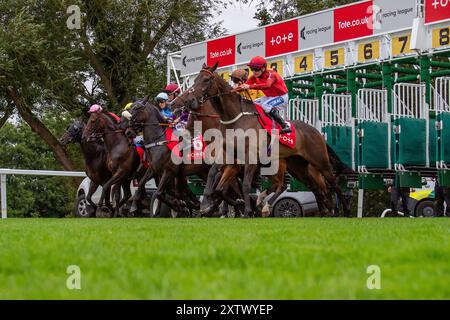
x=122 y=158
x=172 y=187
x=94 y=154
x=310 y=149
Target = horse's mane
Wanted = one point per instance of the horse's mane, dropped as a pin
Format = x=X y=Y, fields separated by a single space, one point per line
x=154 y=109
x=225 y=87
x=111 y=121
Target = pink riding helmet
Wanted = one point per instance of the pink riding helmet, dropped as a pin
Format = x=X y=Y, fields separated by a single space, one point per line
x=95 y=108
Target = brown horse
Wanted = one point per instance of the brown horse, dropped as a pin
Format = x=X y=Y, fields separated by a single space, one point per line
x=230 y=186
x=217 y=188
x=94 y=154
x=121 y=157
x=147 y=118
x=236 y=113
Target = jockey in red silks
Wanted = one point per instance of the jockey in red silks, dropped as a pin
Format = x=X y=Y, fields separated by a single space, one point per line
x=172 y=90
x=272 y=85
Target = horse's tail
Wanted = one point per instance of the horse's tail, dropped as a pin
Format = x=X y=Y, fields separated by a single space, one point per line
x=338 y=165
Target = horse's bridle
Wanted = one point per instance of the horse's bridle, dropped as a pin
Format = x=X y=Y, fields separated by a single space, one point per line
x=98 y=136
x=139 y=126
x=205 y=98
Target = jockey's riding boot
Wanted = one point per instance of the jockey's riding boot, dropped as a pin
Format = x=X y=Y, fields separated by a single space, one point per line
x=279 y=119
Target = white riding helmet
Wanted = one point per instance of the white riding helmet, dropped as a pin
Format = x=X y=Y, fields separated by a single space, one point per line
x=162 y=96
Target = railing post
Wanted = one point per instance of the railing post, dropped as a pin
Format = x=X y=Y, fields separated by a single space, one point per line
x=3 y=196
x=360 y=203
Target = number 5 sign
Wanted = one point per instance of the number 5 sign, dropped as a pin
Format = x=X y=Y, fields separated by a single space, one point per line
x=334 y=58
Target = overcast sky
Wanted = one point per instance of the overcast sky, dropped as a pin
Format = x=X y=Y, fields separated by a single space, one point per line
x=238 y=17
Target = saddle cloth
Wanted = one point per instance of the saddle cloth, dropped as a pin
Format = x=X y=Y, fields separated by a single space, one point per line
x=196 y=148
x=141 y=152
x=286 y=139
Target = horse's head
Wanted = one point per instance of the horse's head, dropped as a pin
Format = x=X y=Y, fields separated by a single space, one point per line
x=206 y=85
x=142 y=113
x=73 y=133
x=96 y=126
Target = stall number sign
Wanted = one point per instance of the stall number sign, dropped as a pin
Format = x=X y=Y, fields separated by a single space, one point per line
x=441 y=37
x=304 y=63
x=334 y=57
x=369 y=51
x=277 y=66
x=401 y=44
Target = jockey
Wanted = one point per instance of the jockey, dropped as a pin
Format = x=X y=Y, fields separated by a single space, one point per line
x=239 y=77
x=162 y=99
x=274 y=88
x=172 y=90
x=95 y=108
x=139 y=139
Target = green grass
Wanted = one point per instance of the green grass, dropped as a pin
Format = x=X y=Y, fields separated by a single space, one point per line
x=225 y=258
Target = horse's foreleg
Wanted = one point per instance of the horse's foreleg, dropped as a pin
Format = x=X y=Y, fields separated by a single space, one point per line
x=92 y=188
x=117 y=178
x=141 y=191
x=249 y=173
x=126 y=193
x=278 y=185
x=163 y=194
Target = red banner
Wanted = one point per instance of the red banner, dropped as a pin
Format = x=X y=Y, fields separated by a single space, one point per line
x=221 y=50
x=353 y=21
x=437 y=10
x=282 y=38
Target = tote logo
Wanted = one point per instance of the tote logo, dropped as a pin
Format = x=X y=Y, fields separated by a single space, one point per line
x=436 y=10
x=282 y=38
x=353 y=21
x=222 y=51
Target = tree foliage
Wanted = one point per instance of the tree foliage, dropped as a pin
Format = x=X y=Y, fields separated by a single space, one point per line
x=278 y=10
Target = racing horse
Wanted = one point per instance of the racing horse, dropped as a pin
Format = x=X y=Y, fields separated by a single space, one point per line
x=228 y=173
x=146 y=117
x=94 y=154
x=122 y=159
x=236 y=113
x=213 y=196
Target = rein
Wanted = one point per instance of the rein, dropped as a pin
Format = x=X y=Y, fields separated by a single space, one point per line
x=140 y=125
x=205 y=98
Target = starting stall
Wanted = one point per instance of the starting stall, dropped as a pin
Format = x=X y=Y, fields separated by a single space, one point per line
x=372 y=76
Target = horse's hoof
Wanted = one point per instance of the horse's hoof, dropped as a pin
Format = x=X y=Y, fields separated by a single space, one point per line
x=266 y=210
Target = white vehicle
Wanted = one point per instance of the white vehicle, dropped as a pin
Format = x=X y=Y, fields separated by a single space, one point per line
x=289 y=204
x=84 y=210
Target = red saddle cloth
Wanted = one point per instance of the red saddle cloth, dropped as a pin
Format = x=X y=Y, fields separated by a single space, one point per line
x=141 y=153
x=196 y=150
x=287 y=139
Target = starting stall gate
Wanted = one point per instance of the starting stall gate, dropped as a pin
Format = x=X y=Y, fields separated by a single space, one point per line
x=306 y=110
x=337 y=125
x=373 y=131
x=442 y=105
x=380 y=96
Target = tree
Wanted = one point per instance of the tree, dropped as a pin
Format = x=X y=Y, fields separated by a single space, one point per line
x=119 y=52
x=279 y=10
x=30 y=196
